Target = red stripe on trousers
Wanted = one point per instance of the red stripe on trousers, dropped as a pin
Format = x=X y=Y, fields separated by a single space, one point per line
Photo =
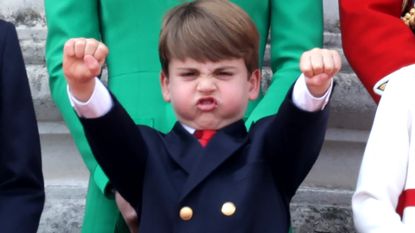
x=406 y=199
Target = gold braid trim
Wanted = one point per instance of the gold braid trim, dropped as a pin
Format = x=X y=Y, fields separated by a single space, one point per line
x=409 y=17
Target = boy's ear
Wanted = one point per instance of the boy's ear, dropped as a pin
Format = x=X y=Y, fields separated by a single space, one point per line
x=255 y=84
x=164 y=82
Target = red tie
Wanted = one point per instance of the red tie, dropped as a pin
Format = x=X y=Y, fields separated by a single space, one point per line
x=204 y=136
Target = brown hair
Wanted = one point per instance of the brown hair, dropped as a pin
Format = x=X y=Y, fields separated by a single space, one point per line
x=208 y=30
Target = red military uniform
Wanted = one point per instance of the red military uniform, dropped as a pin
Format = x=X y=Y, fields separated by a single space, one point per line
x=376 y=41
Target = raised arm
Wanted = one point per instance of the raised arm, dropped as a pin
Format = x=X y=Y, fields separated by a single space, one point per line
x=294 y=28
x=120 y=150
x=296 y=133
x=65 y=20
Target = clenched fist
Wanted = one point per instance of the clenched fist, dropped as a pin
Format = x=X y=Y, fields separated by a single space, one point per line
x=319 y=66
x=82 y=62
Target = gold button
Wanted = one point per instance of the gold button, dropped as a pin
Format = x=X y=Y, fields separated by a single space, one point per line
x=186 y=213
x=228 y=209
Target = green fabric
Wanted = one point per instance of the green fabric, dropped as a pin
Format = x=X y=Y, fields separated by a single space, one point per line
x=131 y=28
x=295 y=28
x=101 y=180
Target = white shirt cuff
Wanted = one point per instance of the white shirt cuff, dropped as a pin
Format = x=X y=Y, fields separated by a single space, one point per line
x=99 y=104
x=304 y=100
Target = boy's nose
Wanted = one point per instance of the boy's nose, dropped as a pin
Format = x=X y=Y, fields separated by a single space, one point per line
x=206 y=84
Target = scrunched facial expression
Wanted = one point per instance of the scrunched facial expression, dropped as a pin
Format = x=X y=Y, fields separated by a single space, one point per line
x=209 y=95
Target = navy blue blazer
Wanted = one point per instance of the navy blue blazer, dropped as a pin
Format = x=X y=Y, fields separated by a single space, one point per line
x=241 y=182
x=21 y=181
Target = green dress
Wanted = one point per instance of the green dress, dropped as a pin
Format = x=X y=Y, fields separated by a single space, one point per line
x=130 y=28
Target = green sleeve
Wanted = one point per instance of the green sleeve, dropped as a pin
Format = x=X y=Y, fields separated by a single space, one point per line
x=295 y=28
x=68 y=19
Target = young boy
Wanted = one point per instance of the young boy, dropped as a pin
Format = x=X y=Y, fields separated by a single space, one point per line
x=236 y=181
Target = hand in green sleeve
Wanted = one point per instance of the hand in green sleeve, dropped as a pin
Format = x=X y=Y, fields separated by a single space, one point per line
x=294 y=28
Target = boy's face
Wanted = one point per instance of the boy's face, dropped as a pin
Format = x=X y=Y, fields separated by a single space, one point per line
x=209 y=95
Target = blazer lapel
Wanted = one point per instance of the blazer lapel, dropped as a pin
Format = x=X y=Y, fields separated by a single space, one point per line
x=183 y=147
x=222 y=146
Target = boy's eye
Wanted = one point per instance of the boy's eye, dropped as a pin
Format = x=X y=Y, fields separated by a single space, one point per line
x=224 y=75
x=189 y=75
